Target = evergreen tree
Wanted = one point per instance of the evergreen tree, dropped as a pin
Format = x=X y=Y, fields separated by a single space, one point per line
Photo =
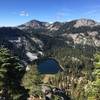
x=32 y=80
x=10 y=77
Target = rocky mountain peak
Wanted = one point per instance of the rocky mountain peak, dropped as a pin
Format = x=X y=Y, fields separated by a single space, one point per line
x=34 y=24
x=55 y=26
x=84 y=22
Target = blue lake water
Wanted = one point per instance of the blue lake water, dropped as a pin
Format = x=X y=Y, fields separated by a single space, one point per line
x=49 y=66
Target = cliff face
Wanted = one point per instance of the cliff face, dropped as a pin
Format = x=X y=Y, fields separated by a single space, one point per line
x=84 y=22
x=33 y=38
x=81 y=31
x=19 y=44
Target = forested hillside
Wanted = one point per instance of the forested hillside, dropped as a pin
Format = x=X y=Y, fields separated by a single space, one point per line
x=74 y=47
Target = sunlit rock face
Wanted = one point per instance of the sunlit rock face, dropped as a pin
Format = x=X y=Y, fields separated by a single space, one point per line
x=54 y=26
x=32 y=39
x=84 y=22
x=32 y=56
x=34 y=24
x=19 y=44
x=27 y=68
x=73 y=32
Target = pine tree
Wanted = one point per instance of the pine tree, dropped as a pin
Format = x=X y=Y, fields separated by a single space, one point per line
x=32 y=79
x=10 y=76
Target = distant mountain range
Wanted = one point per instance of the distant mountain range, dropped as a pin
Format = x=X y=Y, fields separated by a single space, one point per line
x=35 y=37
x=76 y=31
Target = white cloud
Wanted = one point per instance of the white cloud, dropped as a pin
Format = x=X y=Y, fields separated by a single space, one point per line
x=90 y=12
x=23 y=13
x=61 y=15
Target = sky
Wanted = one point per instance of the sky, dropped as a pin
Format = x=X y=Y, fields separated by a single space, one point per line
x=16 y=12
